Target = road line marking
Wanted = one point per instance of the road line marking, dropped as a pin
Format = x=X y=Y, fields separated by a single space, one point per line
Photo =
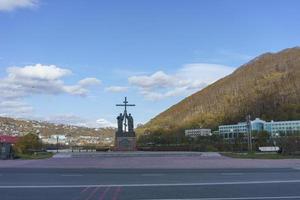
x=149 y=184
x=92 y=193
x=84 y=190
x=237 y=198
x=102 y=196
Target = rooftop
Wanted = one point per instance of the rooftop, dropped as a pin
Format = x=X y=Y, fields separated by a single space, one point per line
x=8 y=139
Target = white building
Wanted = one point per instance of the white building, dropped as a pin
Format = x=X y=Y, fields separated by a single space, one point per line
x=258 y=125
x=54 y=139
x=282 y=127
x=197 y=132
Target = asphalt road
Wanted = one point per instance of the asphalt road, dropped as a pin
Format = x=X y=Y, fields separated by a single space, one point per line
x=101 y=184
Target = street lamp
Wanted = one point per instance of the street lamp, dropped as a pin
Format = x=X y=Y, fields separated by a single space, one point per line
x=57 y=144
x=248 y=121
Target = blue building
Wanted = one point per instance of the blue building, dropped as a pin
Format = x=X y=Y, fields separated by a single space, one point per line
x=282 y=127
x=231 y=131
x=257 y=125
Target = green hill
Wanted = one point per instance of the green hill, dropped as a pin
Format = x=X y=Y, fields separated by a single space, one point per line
x=267 y=87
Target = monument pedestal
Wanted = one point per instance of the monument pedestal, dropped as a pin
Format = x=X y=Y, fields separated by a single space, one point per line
x=125 y=141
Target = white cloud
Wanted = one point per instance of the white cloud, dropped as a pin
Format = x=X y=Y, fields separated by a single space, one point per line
x=89 y=82
x=235 y=55
x=116 y=89
x=103 y=123
x=9 y=5
x=38 y=79
x=155 y=80
x=64 y=119
x=10 y=108
x=203 y=72
x=121 y=72
x=75 y=120
x=184 y=81
x=41 y=79
x=75 y=90
x=38 y=71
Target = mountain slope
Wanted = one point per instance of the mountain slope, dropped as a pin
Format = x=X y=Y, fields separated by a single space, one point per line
x=266 y=87
x=10 y=126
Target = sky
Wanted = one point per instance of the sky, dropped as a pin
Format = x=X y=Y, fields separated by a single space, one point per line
x=69 y=61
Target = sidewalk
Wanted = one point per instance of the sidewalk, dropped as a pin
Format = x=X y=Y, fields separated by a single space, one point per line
x=153 y=160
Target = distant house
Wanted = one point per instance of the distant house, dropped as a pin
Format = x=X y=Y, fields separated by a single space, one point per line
x=6 y=144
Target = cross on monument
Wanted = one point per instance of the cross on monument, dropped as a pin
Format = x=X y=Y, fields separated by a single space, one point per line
x=125 y=104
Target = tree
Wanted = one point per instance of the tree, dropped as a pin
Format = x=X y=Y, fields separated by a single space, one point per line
x=289 y=144
x=28 y=144
x=262 y=139
x=238 y=142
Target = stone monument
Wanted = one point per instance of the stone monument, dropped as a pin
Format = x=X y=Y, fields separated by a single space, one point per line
x=125 y=139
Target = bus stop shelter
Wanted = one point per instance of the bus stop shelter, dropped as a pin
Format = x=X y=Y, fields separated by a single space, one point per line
x=6 y=146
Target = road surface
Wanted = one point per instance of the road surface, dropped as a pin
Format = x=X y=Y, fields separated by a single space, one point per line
x=166 y=184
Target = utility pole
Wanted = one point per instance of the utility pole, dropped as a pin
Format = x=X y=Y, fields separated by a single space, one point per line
x=249 y=132
x=57 y=144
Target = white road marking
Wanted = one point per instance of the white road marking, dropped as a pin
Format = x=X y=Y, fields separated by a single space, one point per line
x=237 y=198
x=71 y=175
x=149 y=184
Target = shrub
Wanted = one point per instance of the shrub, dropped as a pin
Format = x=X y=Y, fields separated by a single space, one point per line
x=289 y=145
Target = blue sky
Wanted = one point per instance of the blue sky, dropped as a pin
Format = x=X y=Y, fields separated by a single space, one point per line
x=155 y=52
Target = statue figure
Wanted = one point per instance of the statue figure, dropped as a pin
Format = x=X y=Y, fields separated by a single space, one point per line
x=130 y=123
x=125 y=137
x=120 y=122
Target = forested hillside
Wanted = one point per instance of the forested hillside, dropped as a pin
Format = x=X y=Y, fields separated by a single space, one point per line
x=267 y=87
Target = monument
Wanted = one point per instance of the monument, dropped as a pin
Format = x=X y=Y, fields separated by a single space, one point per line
x=125 y=139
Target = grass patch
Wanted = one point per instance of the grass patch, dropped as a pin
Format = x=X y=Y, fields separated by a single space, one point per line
x=258 y=155
x=35 y=156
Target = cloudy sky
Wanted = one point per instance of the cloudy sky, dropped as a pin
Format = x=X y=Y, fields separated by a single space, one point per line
x=71 y=61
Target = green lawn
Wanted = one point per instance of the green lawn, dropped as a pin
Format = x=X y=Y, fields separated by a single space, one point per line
x=259 y=155
x=39 y=155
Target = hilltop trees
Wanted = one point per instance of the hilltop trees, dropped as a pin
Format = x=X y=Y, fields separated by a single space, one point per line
x=161 y=140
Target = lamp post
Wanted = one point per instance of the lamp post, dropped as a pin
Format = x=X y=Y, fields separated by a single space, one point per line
x=231 y=138
x=248 y=121
x=57 y=144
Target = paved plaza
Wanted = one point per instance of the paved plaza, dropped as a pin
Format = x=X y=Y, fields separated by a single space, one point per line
x=148 y=160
